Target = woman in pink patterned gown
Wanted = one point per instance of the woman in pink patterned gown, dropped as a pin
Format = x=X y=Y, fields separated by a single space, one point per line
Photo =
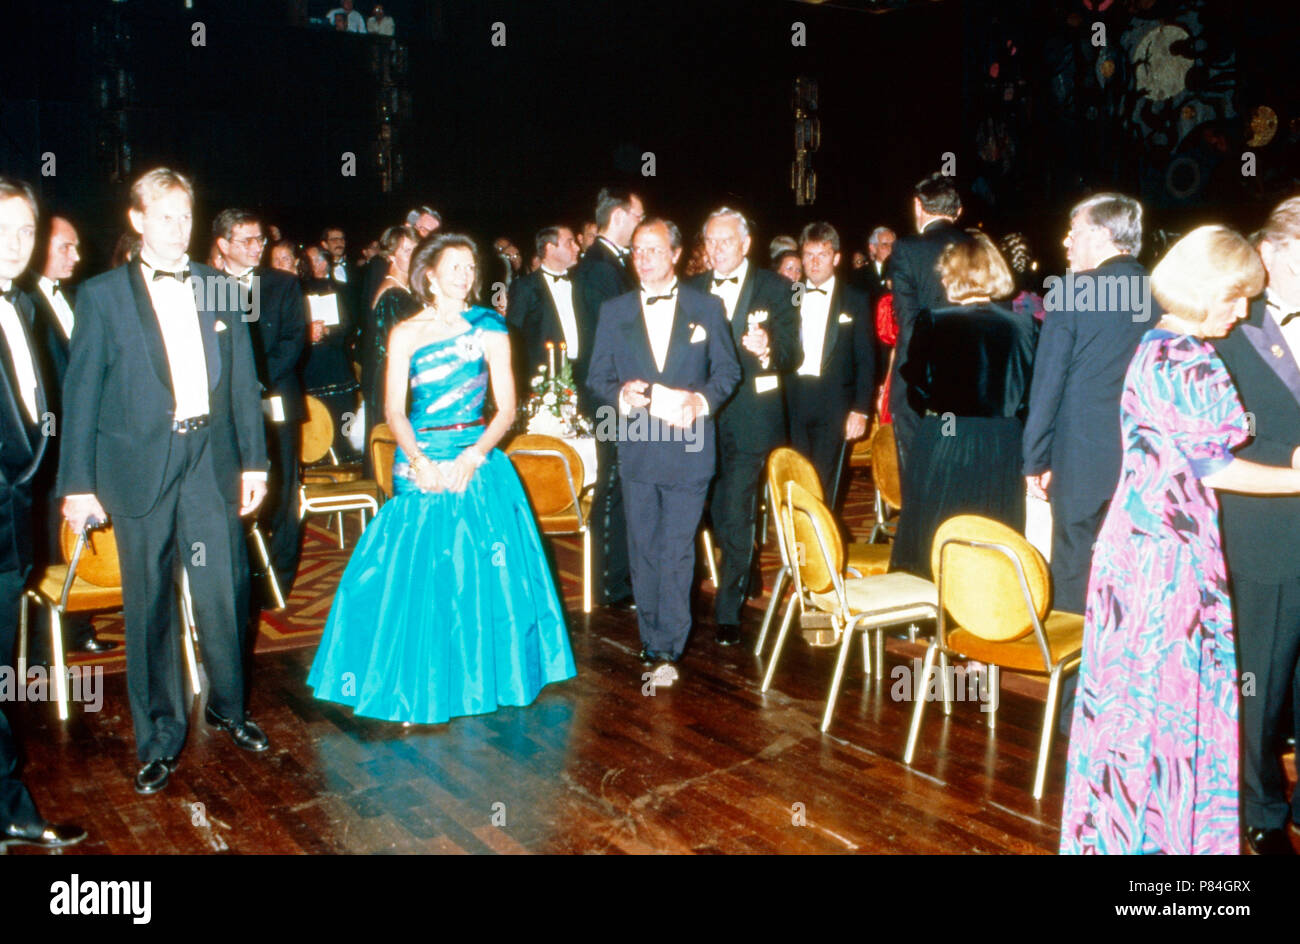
x=1153 y=747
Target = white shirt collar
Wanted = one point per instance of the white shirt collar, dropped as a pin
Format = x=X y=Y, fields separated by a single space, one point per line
x=612 y=248
x=828 y=286
x=150 y=264
x=740 y=272
x=647 y=294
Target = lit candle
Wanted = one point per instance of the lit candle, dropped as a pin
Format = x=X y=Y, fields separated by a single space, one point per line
x=550 y=358
x=562 y=350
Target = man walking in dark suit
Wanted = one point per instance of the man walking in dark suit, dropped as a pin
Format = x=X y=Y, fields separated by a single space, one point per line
x=541 y=306
x=914 y=269
x=1072 y=441
x=52 y=300
x=831 y=395
x=277 y=322
x=765 y=330
x=663 y=364
x=23 y=441
x=603 y=274
x=1261 y=534
x=163 y=430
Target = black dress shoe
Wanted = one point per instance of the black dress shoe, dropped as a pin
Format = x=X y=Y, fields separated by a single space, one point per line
x=245 y=733
x=95 y=644
x=627 y=604
x=45 y=835
x=1268 y=841
x=728 y=634
x=647 y=657
x=154 y=775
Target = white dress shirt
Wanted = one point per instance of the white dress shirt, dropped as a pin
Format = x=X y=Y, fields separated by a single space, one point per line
x=814 y=312
x=59 y=302
x=178 y=317
x=562 y=294
x=659 y=321
x=729 y=292
x=19 y=353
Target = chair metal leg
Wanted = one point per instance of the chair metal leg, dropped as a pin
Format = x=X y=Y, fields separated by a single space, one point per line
x=188 y=632
x=265 y=558
x=339 y=516
x=866 y=654
x=1049 y=728
x=992 y=685
x=772 y=604
x=708 y=556
x=945 y=682
x=840 y=662
x=60 y=669
x=880 y=654
x=919 y=689
x=780 y=642
x=586 y=570
x=24 y=602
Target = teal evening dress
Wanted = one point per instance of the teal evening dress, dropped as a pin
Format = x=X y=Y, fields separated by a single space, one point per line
x=447 y=606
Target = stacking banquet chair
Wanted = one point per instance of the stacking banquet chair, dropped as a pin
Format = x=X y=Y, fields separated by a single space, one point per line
x=552 y=473
x=870 y=604
x=786 y=465
x=383 y=451
x=330 y=488
x=884 y=473
x=88 y=581
x=995 y=593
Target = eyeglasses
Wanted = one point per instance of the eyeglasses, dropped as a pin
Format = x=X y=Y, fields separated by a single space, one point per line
x=649 y=252
x=723 y=242
x=249 y=242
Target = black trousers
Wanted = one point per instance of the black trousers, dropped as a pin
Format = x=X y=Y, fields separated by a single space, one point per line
x=1267 y=624
x=194 y=525
x=733 y=511
x=661 y=546
x=609 y=529
x=821 y=439
x=16 y=805
x=1073 y=535
x=279 y=512
x=906 y=422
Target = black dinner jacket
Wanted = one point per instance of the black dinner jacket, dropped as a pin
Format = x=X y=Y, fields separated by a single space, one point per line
x=848 y=374
x=866 y=279
x=599 y=276
x=52 y=346
x=706 y=365
x=22 y=447
x=758 y=419
x=914 y=267
x=534 y=320
x=118 y=405
x=280 y=339
x=1073 y=426
x=1261 y=533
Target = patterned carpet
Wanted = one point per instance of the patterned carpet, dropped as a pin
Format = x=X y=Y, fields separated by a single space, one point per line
x=300 y=623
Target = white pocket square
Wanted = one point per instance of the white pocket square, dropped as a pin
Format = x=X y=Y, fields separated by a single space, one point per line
x=220 y=326
x=699 y=334
x=845 y=319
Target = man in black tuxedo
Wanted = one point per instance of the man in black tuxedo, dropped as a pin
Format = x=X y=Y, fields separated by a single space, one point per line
x=23 y=442
x=873 y=278
x=765 y=329
x=915 y=273
x=663 y=364
x=541 y=307
x=831 y=395
x=603 y=274
x=163 y=430
x=52 y=300
x=1073 y=447
x=277 y=322
x=1261 y=534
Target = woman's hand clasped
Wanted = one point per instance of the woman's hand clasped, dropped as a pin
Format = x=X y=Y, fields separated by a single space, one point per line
x=457 y=476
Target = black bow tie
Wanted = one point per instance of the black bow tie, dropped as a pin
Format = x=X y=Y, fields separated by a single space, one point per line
x=11 y=294
x=735 y=280
x=811 y=289
x=661 y=298
x=558 y=278
x=56 y=289
x=182 y=276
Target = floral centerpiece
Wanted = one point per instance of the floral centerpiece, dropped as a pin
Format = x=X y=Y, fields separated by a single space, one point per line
x=552 y=407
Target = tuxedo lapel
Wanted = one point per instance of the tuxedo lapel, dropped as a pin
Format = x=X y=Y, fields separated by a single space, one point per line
x=153 y=339
x=1266 y=338
x=739 y=321
x=832 y=325
x=679 y=338
x=638 y=339
x=208 y=327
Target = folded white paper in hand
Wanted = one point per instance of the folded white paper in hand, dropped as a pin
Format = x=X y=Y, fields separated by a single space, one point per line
x=666 y=403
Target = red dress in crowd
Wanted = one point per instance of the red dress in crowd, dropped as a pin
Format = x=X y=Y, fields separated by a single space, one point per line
x=887 y=331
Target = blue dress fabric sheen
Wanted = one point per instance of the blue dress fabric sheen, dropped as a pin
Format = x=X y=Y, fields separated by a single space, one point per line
x=447 y=606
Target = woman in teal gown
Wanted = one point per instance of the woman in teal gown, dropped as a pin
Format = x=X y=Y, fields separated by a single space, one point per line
x=447 y=606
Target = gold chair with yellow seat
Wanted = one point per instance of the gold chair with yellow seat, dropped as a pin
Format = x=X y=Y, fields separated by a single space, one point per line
x=995 y=592
x=886 y=480
x=787 y=465
x=869 y=604
x=383 y=451
x=552 y=473
x=316 y=449
x=88 y=581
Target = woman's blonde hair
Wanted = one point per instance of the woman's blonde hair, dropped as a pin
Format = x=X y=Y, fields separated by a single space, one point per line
x=975 y=269
x=1208 y=266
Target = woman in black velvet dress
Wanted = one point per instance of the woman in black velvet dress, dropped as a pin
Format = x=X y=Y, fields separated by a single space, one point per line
x=967 y=371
